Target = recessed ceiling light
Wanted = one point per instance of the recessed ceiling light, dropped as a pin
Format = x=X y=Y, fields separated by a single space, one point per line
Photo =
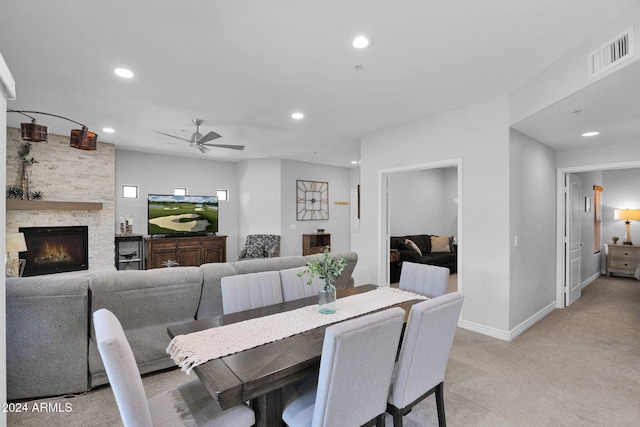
x=108 y=130
x=355 y=162
x=297 y=116
x=594 y=133
x=123 y=72
x=360 y=42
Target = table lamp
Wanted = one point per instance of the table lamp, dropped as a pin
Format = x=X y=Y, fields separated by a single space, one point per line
x=15 y=243
x=627 y=215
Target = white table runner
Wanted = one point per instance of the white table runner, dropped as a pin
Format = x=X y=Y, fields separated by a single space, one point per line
x=191 y=350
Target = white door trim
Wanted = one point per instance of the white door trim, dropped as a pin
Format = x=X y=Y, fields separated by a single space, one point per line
x=560 y=216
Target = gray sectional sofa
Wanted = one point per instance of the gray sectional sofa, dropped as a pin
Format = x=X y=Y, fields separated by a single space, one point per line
x=50 y=345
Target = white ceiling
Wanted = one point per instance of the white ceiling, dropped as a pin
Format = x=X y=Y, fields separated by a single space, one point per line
x=244 y=66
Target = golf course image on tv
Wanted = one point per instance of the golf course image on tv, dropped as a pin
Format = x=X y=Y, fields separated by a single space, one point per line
x=182 y=214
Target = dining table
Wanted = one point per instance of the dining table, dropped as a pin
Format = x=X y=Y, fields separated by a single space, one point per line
x=257 y=375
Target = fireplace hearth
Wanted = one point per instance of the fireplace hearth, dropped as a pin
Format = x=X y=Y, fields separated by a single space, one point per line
x=55 y=249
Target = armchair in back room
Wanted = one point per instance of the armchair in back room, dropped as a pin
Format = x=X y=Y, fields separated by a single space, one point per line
x=260 y=246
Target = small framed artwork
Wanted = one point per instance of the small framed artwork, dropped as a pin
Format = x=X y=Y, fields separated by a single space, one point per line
x=587 y=204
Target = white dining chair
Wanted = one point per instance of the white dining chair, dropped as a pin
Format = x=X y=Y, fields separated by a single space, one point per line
x=355 y=371
x=294 y=287
x=424 y=279
x=419 y=371
x=186 y=405
x=246 y=291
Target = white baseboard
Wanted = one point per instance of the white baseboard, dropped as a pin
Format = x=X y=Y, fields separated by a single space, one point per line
x=588 y=281
x=508 y=335
x=484 y=330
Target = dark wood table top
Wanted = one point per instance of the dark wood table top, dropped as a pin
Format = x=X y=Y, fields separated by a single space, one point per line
x=252 y=373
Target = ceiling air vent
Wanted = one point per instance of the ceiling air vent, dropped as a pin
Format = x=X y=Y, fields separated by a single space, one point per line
x=611 y=53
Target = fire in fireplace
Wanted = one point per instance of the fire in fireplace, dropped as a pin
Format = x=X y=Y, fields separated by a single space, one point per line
x=55 y=249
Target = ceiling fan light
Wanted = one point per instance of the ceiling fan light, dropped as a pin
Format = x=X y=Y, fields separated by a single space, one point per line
x=82 y=139
x=34 y=132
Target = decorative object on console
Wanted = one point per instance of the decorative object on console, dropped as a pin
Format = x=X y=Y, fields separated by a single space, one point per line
x=627 y=215
x=312 y=200
x=15 y=242
x=34 y=132
x=170 y=263
x=615 y=240
x=328 y=268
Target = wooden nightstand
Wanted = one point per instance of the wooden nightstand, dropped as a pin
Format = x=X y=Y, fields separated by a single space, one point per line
x=622 y=259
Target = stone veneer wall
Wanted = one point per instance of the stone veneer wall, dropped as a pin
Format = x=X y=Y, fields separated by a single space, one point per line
x=69 y=175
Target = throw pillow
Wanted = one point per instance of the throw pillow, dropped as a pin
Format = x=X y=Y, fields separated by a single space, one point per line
x=413 y=245
x=440 y=244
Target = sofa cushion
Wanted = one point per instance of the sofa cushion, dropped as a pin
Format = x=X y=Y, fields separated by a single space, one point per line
x=411 y=244
x=145 y=302
x=211 y=299
x=440 y=244
x=422 y=240
x=47 y=323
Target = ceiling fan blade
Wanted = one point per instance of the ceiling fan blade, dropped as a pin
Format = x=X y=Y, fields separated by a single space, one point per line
x=210 y=137
x=172 y=136
x=233 y=147
x=202 y=148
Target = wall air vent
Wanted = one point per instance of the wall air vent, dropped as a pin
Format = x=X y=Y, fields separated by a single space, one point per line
x=611 y=53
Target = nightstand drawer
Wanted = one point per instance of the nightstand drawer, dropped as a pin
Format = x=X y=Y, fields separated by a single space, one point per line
x=623 y=264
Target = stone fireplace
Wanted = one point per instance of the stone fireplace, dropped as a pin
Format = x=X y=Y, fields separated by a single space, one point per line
x=65 y=174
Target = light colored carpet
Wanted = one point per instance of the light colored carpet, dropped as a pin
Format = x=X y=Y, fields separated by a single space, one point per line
x=579 y=366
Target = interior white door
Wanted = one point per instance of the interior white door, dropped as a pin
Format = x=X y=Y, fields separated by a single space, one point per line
x=573 y=237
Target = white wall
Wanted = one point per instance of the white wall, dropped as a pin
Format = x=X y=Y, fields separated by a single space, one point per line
x=423 y=202
x=479 y=135
x=338 y=223
x=533 y=217
x=159 y=174
x=621 y=190
x=260 y=197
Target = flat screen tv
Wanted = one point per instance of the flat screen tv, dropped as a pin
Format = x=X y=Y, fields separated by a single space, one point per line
x=182 y=215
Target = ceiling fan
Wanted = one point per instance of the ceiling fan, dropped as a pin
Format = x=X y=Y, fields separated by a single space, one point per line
x=200 y=142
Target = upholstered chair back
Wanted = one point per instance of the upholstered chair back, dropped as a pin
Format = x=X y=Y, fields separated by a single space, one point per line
x=121 y=369
x=294 y=287
x=246 y=291
x=424 y=279
x=355 y=371
x=427 y=341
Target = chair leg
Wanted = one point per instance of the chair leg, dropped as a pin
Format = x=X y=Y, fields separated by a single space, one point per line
x=396 y=413
x=440 y=405
x=380 y=420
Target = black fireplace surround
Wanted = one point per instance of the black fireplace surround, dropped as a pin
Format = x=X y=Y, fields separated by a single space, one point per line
x=55 y=249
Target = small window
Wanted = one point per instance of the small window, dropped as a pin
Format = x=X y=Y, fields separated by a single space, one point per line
x=129 y=191
x=223 y=195
x=180 y=192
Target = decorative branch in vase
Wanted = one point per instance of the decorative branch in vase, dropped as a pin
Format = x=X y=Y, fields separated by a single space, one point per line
x=328 y=268
x=23 y=154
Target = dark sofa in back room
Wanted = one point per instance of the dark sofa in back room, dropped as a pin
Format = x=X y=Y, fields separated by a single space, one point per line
x=428 y=249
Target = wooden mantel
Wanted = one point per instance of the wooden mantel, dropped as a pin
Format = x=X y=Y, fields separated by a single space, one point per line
x=43 y=205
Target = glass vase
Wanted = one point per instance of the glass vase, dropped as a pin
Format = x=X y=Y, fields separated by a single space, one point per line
x=327 y=298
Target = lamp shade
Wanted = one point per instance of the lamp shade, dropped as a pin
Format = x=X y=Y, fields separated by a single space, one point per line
x=626 y=214
x=16 y=242
x=34 y=132
x=83 y=139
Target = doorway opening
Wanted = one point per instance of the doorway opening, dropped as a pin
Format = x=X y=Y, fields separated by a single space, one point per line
x=565 y=236
x=389 y=201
